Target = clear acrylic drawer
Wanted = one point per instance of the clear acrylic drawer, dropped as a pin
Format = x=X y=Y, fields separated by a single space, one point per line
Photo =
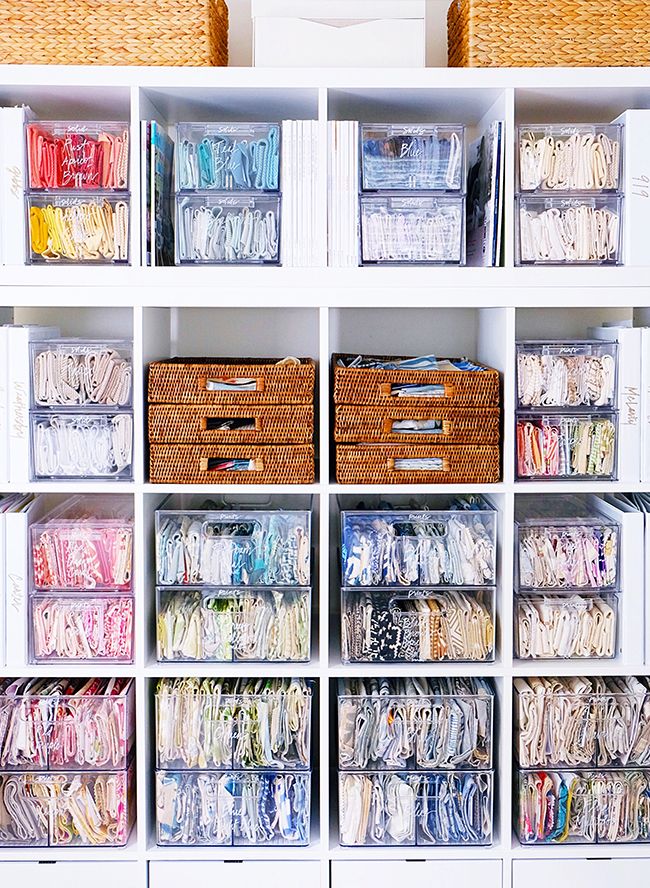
x=415 y=723
x=246 y=724
x=79 y=229
x=228 y=229
x=406 y=808
x=415 y=230
x=577 y=445
x=417 y=625
x=449 y=542
x=74 y=627
x=566 y=157
x=82 y=445
x=554 y=627
x=228 y=156
x=95 y=808
x=569 y=231
x=584 y=806
x=82 y=373
x=74 y=724
x=420 y=157
x=567 y=374
x=77 y=154
x=571 y=722
x=232 y=807
x=258 y=624
x=233 y=548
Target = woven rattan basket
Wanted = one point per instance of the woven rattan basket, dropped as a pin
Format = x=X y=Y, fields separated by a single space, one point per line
x=273 y=424
x=375 y=464
x=187 y=380
x=195 y=464
x=528 y=33
x=375 y=425
x=114 y=32
x=357 y=385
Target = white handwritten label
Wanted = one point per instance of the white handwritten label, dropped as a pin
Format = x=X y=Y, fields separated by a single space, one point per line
x=16 y=592
x=19 y=413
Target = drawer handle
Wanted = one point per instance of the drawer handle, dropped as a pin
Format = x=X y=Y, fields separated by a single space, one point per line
x=415 y=390
x=227 y=424
x=417 y=426
x=421 y=464
x=224 y=464
x=231 y=384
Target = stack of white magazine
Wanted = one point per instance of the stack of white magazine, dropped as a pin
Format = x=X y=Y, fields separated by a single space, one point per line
x=343 y=193
x=300 y=231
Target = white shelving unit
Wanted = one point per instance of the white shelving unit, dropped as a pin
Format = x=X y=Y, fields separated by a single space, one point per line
x=314 y=312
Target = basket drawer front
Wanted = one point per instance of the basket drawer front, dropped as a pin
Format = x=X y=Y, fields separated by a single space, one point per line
x=395 y=464
x=231 y=464
x=225 y=382
x=571 y=33
x=255 y=424
x=448 y=388
x=398 y=425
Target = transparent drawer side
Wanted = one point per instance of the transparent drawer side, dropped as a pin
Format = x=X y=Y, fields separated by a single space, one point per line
x=567 y=374
x=553 y=627
x=82 y=445
x=416 y=157
x=566 y=446
x=82 y=373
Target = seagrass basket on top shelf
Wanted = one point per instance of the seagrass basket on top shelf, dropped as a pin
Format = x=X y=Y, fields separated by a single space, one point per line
x=531 y=33
x=114 y=32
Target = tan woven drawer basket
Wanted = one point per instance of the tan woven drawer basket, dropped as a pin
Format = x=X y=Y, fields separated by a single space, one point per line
x=114 y=32
x=358 y=385
x=530 y=33
x=194 y=464
x=375 y=425
x=273 y=424
x=375 y=464
x=187 y=380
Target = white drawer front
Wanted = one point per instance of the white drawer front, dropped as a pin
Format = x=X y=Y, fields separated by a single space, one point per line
x=64 y=874
x=247 y=874
x=576 y=873
x=416 y=873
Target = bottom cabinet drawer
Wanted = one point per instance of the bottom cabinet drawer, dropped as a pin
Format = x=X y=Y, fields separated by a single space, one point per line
x=63 y=874
x=245 y=874
x=575 y=873
x=417 y=873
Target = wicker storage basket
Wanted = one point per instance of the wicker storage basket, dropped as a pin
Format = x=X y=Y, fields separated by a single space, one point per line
x=357 y=385
x=186 y=381
x=194 y=464
x=375 y=425
x=114 y=32
x=273 y=424
x=375 y=464
x=528 y=33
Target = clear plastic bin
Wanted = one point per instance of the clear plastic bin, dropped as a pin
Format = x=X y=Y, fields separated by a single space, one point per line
x=232 y=807
x=555 y=627
x=419 y=157
x=259 y=624
x=228 y=229
x=247 y=724
x=82 y=445
x=79 y=546
x=406 y=808
x=416 y=723
x=79 y=229
x=569 y=231
x=233 y=548
x=417 y=625
x=443 y=544
x=415 y=230
x=565 y=555
x=577 y=445
x=565 y=157
x=76 y=628
x=597 y=807
x=77 y=154
x=61 y=723
x=228 y=156
x=82 y=373
x=67 y=808
x=567 y=374
x=582 y=722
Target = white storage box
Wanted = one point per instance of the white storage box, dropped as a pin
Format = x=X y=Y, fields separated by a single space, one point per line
x=332 y=33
